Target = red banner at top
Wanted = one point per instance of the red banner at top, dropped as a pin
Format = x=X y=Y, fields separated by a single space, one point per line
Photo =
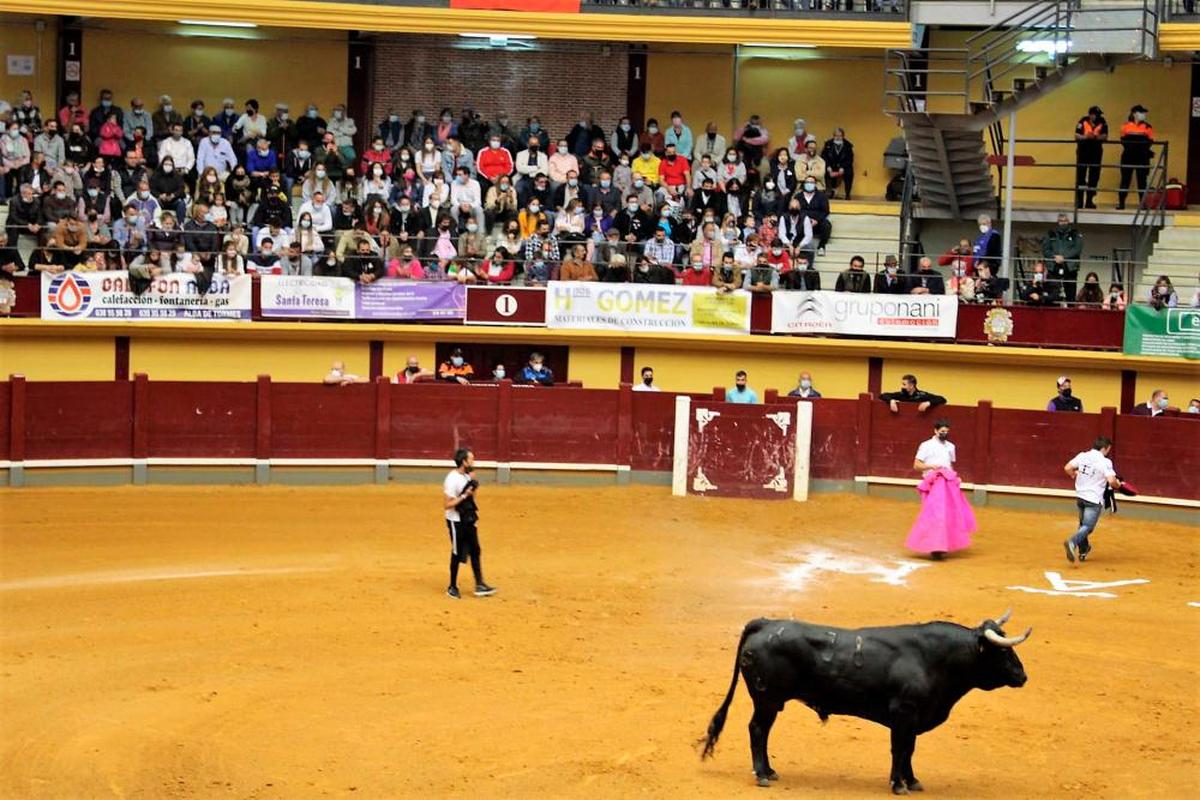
x=561 y=6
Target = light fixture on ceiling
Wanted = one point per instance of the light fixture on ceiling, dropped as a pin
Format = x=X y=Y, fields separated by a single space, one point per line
x=216 y=23
x=1044 y=45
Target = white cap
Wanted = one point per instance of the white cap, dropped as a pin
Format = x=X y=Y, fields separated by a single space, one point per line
x=1062 y=379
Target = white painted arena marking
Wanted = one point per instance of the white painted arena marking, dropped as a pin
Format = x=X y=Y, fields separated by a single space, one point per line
x=1194 y=605
x=1061 y=587
x=154 y=574
x=797 y=577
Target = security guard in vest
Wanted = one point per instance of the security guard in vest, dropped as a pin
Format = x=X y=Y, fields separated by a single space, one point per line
x=1090 y=134
x=1136 y=138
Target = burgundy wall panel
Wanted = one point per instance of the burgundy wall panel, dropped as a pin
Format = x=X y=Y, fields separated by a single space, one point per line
x=432 y=420
x=833 y=439
x=896 y=437
x=201 y=420
x=564 y=425
x=92 y=419
x=315 y=421
x=5 y=418
x=653 y=431
x=1091 y=328
x=1029 y=448
x=741 y=451
x=1158 y=455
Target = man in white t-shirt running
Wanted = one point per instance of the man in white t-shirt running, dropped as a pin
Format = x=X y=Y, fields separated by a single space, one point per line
x=458 y=500
x=1093 y=474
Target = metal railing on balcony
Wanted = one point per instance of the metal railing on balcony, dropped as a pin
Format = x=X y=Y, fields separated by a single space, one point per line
x=1181 y=10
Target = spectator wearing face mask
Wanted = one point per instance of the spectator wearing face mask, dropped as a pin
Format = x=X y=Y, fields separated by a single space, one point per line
x=215 y=151
x=1062 y=247
x=344 y=129
x=1090 y=293
x=854 y=279
x=988 y=247
x=195 y=124
x=312 y=126
x=804 y=389
x=51 y=145
x=650 y=272
x=466 y=199
x=561 y=163
x=164 y=118
x=741 y=392
x=1193 y=406
x=697 y=273
x=500 y=204
x=680 y=135
x=1158 y=405
x=1115 y=299
x=536 y=372
x=138 y=117
x=1162 y=295
x=604 y=193
x=177 y=148
x=624 y=139
x=499 y=268
x=595 y=163
x=838 y=154
x=1137 y=136
x=530 y=162
x=494 y=161
x=378 y=153
x=711 y=144
x=1065 y=400
x=455 y=369
x=456 y=155
x=909 y=393
x=815 y=206
x=926 y=280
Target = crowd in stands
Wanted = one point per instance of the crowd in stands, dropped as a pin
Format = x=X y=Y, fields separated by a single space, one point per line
x=230 y=190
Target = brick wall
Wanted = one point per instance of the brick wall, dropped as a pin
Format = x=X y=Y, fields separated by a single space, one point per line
x=556 y=81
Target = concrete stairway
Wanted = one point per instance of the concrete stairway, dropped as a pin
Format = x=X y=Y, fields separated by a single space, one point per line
x=950 y=167
x=871 y=236
x=1174 y=255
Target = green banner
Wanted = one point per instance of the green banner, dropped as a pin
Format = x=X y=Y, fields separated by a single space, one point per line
x=1169 y=332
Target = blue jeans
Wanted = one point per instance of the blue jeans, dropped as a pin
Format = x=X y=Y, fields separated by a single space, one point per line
x=1089 y=515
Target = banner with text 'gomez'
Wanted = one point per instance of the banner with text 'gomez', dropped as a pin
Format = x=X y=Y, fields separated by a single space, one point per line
x=646 y=308
x=907 y=316
x=108 y=296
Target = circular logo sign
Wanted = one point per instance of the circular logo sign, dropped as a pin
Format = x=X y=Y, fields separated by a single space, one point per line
x=69 y=296
x=506 y=305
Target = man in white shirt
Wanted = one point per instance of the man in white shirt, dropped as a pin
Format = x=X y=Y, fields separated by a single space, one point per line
x=458 y=502
x=1093 y=473
x=216 y=151
x=647 y=384
x=466 y=199
x=531 y=162
x=936 y=451
x=179 y=149
x=322 y=216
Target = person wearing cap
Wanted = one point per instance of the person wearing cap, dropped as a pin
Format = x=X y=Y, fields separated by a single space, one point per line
x=164 y=118
x=455 y=369
x=281 y=130
x=215 y=151
x=1064 y=400
x=889 y=280
x=1090 y=134
x=226 y=118
x=1136 y=138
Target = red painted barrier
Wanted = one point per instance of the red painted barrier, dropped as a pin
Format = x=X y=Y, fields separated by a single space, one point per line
x=92 y=419
x=507 y=423
x=201 y=420
x=1089 y=328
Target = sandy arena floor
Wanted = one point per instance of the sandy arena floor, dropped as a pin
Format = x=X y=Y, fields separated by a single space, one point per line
x=292 y=643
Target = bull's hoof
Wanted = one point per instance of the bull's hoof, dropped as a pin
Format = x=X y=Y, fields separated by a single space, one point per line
x=915 y=786
x=763 y=780
x=899 y=788
x=772 y=775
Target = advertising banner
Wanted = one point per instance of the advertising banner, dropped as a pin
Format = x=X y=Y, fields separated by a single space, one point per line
x=1169 y=332
x=506 y=305
x=559 y=6
x=297 y=296
x=907 y=316
x=646 y=308
x=397 y=299
x=106 y=296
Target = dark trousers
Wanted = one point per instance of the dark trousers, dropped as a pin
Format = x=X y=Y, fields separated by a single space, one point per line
x=1129 y=171
x=831 y=184
x=1086 y=175
x=822 y=231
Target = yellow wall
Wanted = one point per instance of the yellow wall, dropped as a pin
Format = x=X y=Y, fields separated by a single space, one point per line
x=596 y=367
x=684 y=371
x=19 y=37
x=58 y=358
x=170 y=359
x=1166 y=91
x=293 y=66
x=1028 y=388
x=1180 y=388
x=696 y=82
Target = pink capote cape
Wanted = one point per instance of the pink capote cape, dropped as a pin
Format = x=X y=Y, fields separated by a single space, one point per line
x=946 y=521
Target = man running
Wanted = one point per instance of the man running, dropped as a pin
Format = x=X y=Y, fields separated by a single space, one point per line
x=461 y=515
x=1093 y=474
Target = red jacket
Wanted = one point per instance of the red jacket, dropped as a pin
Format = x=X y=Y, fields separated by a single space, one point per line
x=949 y=257
x=693 y=277
x=492 y=163
x=503 y=272
x=371 y=157
x=673 y=174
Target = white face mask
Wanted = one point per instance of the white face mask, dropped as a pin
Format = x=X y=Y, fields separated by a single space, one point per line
x=498 y=373
x=494 y=143
x=984 y=228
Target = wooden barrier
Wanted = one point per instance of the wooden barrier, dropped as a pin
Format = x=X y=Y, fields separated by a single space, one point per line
x=100 y=423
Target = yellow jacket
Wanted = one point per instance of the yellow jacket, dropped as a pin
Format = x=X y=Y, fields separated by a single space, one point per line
x=646 y=167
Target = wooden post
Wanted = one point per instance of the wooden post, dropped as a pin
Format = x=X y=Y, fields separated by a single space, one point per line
x=262 y=438
x=1108 y=423
x=771 y=396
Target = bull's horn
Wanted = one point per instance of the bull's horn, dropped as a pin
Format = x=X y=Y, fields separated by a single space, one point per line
x=1004 y=618
x=1006 y=641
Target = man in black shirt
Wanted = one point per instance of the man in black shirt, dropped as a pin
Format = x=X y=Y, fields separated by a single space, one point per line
x=854 y=279
x=909 y=393
x=649 y=272
x=1064 y=400
x=926 y=280
x=889 y=281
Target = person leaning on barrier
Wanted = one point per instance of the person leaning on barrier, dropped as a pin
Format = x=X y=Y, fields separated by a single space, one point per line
x=456 y=369
x=909 y=393
x=804 y=388
x=926 y=280
x=1037 y=291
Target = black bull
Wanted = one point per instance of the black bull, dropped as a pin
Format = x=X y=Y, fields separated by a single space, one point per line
x=906 y=678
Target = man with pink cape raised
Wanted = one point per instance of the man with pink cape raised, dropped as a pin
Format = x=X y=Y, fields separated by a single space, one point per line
x=946 y=521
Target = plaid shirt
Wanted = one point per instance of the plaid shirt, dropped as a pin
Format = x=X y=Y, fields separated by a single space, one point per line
x=533 y=246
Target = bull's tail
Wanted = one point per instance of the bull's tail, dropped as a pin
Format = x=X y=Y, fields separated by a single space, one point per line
x=718 y=720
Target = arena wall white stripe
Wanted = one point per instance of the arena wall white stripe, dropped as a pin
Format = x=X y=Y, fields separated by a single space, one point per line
x=800 y=473
x=1033 y=491
x=683 y=412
